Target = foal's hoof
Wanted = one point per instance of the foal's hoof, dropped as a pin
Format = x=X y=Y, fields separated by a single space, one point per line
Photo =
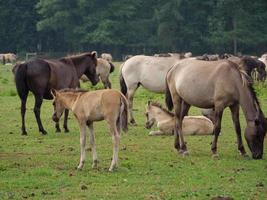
x=216 y=156
x=94 y=165
x=67 y=130
x=133 y=123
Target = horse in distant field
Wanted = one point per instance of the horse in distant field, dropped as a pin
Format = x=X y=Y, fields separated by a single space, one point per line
x=248 y=64
x=103 y=70
x=109 y=105
x=148 y=71
x=41 y=75
x=192 y=125
x=216 y=85
x=8 y=58
x=107 y=56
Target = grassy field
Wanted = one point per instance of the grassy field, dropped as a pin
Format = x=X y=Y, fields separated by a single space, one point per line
x=43 y=167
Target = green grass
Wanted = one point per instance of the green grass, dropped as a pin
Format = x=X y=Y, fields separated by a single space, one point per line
x=43 y=167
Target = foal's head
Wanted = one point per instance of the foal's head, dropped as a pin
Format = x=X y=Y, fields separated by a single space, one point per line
x=58 y=106
x=150 y=118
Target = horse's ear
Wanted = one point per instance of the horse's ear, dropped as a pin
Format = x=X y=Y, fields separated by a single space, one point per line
x=94 y=54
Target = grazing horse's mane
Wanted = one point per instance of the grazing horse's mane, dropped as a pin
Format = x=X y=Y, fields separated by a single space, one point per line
x=73 y=90
x=162 y=108
x=78 y=55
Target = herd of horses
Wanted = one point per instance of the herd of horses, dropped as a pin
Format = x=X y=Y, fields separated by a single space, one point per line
x=213 y=85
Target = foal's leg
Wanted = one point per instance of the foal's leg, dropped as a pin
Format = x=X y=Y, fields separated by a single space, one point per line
x=65 y=124
x=235 y=117
x=217 y=130
x=92 y=143
x=116 y=141
x=37 y=111
x=82 y=144
x=22 y=111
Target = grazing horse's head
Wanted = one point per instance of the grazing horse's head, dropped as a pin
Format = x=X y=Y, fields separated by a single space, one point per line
x=58 y=107
x=91 y=69
x=150 y=118
x=254 y=134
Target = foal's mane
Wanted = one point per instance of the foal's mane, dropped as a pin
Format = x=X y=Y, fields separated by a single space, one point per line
x=156 y=104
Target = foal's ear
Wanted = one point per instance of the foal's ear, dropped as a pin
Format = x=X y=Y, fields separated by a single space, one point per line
x=53 y=92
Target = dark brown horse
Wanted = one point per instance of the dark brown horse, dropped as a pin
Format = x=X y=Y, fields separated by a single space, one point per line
x=40 y=75
x=217 y=85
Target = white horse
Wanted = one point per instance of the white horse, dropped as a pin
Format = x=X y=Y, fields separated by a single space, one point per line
x=148 y=71
x=165 y=120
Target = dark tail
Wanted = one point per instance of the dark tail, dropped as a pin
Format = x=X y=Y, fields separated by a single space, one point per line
x=123 y=119
x=20 y=79
x=112 y=67
x=168 y=97
x=123 y=85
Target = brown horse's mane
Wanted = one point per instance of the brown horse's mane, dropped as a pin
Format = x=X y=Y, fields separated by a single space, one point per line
x=162 y=108
x=73 y=90
x=78 y=55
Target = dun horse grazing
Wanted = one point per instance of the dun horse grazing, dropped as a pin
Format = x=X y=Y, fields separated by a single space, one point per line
x=107 y=56
x=103 y=70
x=148 y=71
x=192 y=125
x=40 y=75
x=217 y=85
x=109 y=105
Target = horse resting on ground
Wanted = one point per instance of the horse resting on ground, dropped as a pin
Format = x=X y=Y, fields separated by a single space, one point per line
x=109 y=105
x=192 y=125
x=41 y=75
x=217 y=85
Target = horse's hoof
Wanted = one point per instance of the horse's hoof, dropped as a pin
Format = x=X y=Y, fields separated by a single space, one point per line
x=58 y=131
x=185 y=154
x=24 y=133
x=67 y=130
x=132 y=122
x=44 y=132
x=94 y=165
x=216 y=156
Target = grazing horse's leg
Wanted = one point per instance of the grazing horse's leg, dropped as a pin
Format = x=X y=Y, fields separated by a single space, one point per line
x=217 y=130
x=130 y=95
x=58 y=130
x=65 y=125
x=23 y=110
x=37 y=111
x=235 y=118
x=92 y=143
x=116 y=141
x=184 y=111
x=82 y=144
x=177 y=126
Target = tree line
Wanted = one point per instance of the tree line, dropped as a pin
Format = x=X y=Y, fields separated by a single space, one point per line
x=134 y=26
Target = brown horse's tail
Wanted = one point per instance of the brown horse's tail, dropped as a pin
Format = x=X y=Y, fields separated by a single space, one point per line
x=122 y=82
x=123 y=117
x=112 y=67
x=20 y=80
x=168 y=97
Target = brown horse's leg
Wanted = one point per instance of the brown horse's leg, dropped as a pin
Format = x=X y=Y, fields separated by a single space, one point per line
x=65 y=124
x=184 y=111
x=37 y=110
x=235 y=117
x=23 y=111
x=58 y=130
x=217 y=130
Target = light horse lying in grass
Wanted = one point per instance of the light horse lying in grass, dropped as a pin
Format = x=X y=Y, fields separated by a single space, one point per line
x=192 y=125
x=109 y=105
x=217 y=84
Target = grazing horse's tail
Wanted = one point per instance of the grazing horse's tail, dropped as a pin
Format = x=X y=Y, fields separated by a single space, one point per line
x=112 y=67
x=122 y=82
x=123 y=118
x=168 y=97
x=20 y=79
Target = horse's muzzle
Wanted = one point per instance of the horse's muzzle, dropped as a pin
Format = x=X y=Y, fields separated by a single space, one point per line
x=55 y=118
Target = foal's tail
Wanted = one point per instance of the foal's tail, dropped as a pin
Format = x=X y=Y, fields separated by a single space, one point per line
x=122 y=82
x=168 y=97
x=112 y=67
x=123 y=117
x=20 y=80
